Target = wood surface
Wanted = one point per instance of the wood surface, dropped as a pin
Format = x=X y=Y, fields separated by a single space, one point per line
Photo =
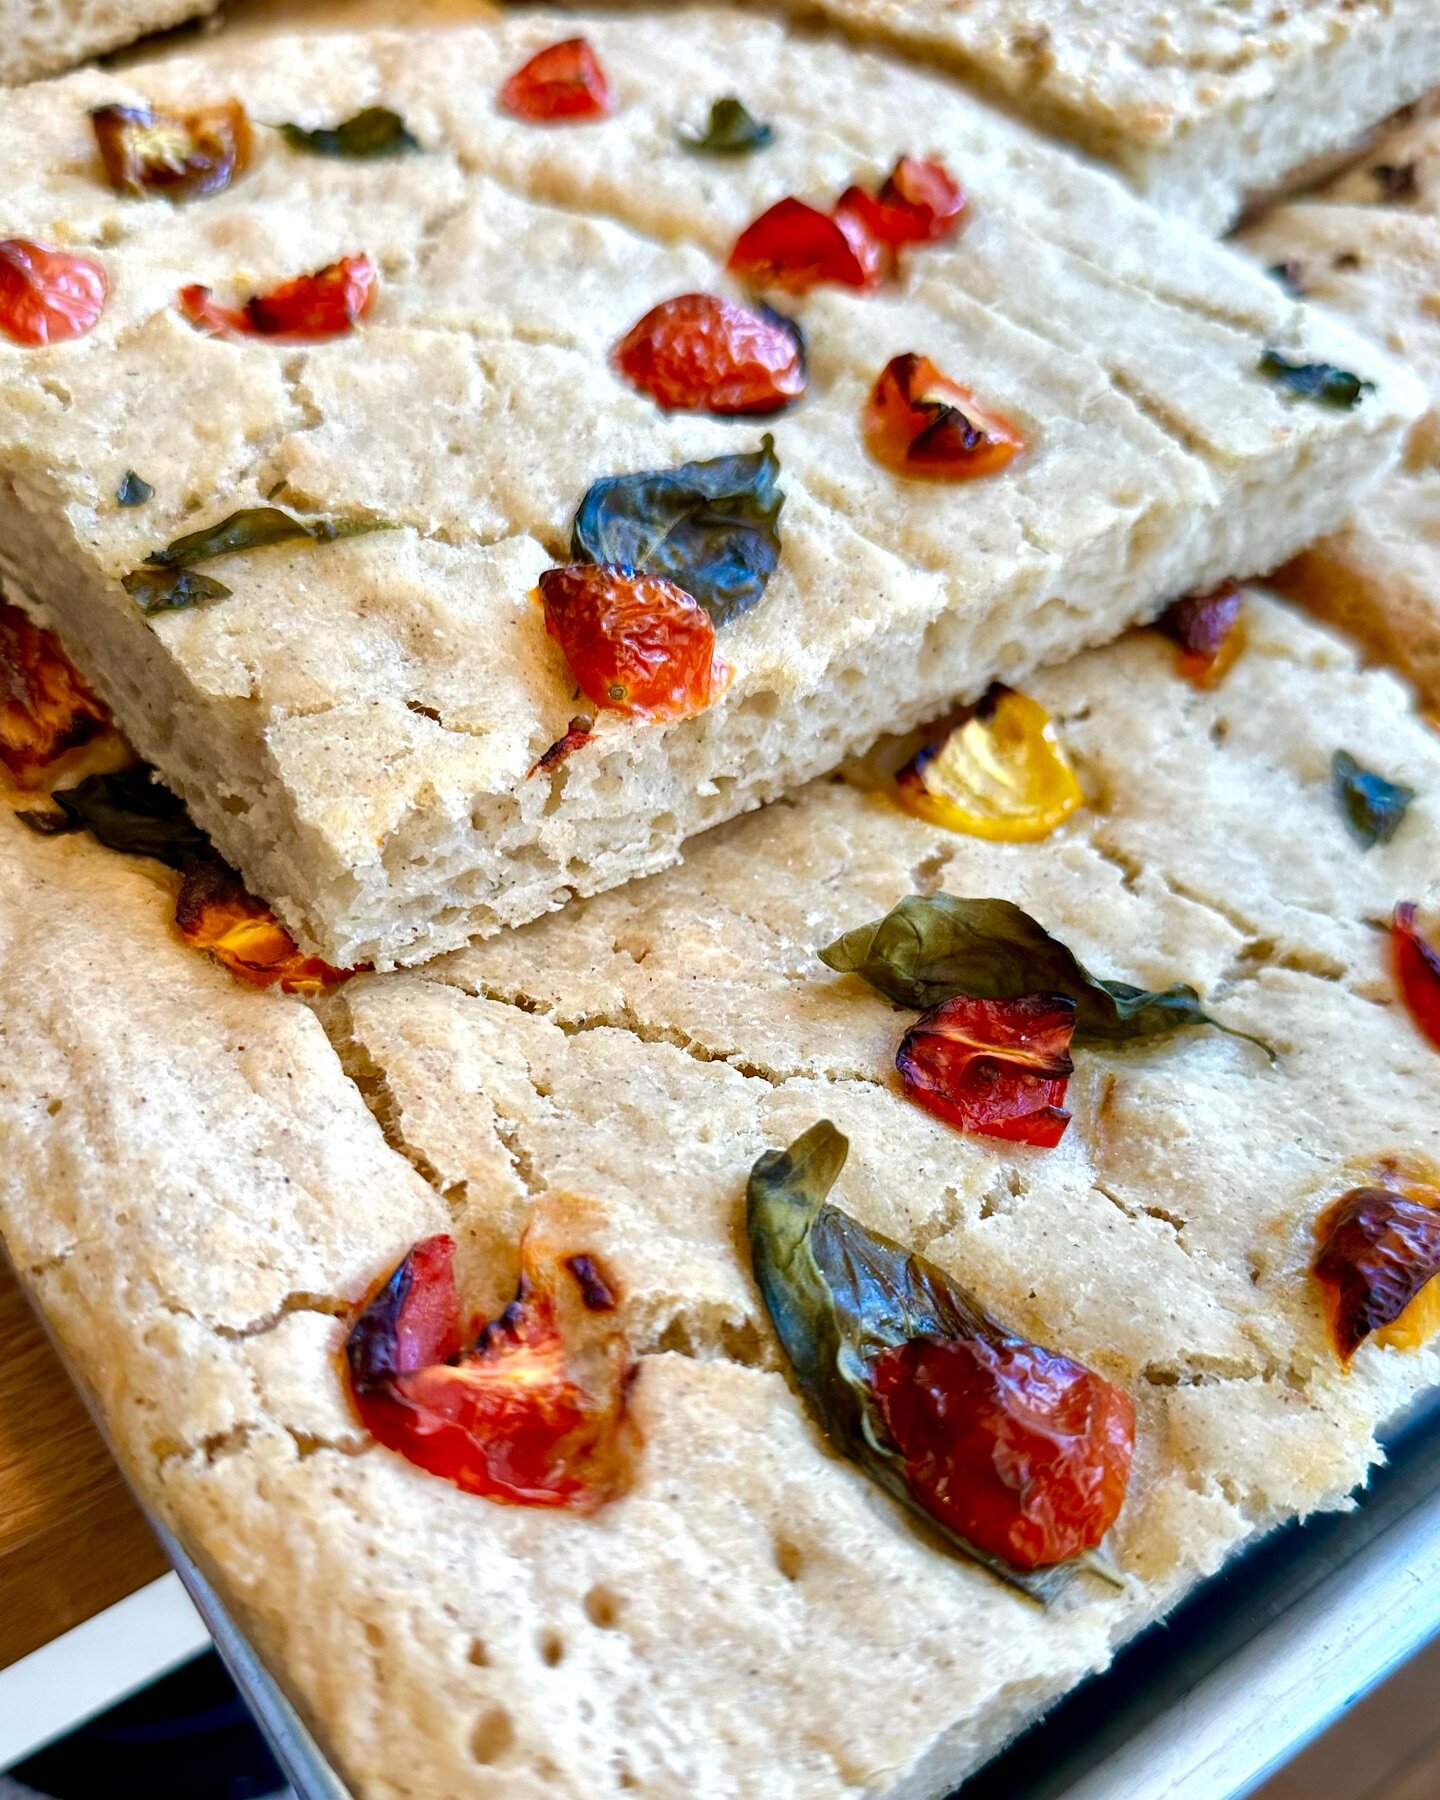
x=72 y=1541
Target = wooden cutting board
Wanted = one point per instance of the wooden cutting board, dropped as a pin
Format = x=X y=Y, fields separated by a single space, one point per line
x=72 y=1541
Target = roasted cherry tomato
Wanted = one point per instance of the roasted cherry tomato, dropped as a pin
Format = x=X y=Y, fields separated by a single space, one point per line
x=1001 y=774
x=1024 y=1453
x=48 y=296
x=562 y=82
x=635 y=643
x=926 y=196
x=997 y=1067
x=179 y=155
x=45 y=707
x=326 y=304
x=1209 y=630
x=1417 y=968
x=795 y=246
x=579 y=732
x=698 y=353
x=918 y=422
x=216 y=912
x=533 y=1413
x=1378 y=1249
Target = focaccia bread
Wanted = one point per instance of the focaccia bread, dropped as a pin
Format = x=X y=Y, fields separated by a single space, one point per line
x=1199 y=103
x=37 y=37
x=1369 y=247
x=357 y=723
x=198 y=1186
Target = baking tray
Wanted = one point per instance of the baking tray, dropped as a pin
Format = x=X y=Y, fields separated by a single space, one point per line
x=1202 y=1706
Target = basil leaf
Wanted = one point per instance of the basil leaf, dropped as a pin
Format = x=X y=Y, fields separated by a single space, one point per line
x=132 y=491
x=710 y=527
x=839 y=1296
x=1322 y=382
x=374 y=132
x=130 y=811
x=929 y=949
x=1372 y=807
x=732 y=131
x=253 y=528
x=170 y=590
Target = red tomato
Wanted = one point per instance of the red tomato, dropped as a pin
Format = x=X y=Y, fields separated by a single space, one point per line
x=1024 y=1453
x=923 y=200
x=1377 y=1250
x=1417 y=968
x=325 y=304
x=216 y=912
x=699 y=353
x=918 y=422
x=795 y=246
x=997 y=1067
x=48 y=296
x=511 y=1418
x=564 y=81
x=635 y=643
x=45 y=707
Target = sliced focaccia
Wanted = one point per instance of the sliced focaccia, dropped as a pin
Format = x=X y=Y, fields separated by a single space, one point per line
x=388 y=299
x=233 y=1206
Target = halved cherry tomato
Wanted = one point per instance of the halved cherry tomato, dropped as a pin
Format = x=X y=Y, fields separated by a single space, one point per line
x=325 y=304
x=48 y=296
x=562 y=82
x=997 y=1067
x=533 y=1413
x=1379 y=1251
x=45 y=706
x=919 y=422
x=216 y=912
x=699 y=353
x=1000 y=774
x=179 y=155
x=795 y=246
x=929 y=200
x=1209 y=630
x=1023 y=1452
x=635 y=643
x=1417 y=968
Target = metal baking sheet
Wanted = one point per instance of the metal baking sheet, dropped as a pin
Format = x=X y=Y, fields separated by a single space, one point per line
x=1200 y=1707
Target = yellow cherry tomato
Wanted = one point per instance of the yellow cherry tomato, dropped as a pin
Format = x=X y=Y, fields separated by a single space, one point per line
x=1002 y=775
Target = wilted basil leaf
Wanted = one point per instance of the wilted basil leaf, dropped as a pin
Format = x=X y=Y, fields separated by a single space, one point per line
x=132 y=491
x=1316 y=381
x=733 y=131
x=839 y=1296
x=710 y=527
x=130 y=811
x=374 y=132
x=1372 y=807
x=928 y=949
x=253 y=528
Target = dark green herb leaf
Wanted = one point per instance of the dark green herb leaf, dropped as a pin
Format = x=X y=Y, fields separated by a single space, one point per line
x=375 y=132
x=928 y=949
x=710 y=527
x=130 y=811
x=841 y=1295
x=1372 y=807
x=732 y=131
x=171 y=590
x=132 y=491
x=1316 y=381
x=253 y=528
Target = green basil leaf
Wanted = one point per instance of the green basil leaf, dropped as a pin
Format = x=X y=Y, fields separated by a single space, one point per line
x=840 y=1295
x=130 y=811
x=253 y=528
x=374 y=132
x=1322 y=382
x=132 y=491
x=931 y=948
x=171 y=590
x=732 y=131
x=710 y=527
x=1372 y=807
